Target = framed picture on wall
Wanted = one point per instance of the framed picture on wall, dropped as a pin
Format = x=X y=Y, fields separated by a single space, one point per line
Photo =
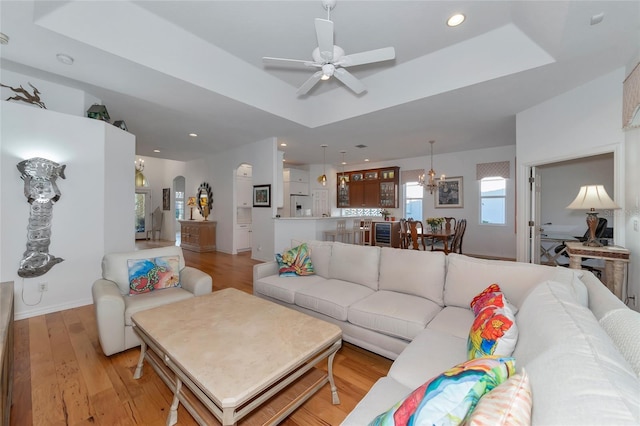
x=166 y=199
x=261 y=195
x=449 y=193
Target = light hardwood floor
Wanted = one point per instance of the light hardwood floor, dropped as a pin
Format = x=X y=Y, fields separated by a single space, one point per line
x=61 y=376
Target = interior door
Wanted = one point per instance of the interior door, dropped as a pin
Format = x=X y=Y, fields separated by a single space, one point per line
x=142 y=212
x=534 y=216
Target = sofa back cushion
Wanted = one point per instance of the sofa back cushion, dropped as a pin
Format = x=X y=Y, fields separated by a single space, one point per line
x=356 y=264
x=114 y=265
x=577 y=375
x=468 y=276
x=320 y=256
x=419 y=273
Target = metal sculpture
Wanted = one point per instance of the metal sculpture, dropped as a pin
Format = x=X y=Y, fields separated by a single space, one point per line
x=39 y=175
x=23 y=95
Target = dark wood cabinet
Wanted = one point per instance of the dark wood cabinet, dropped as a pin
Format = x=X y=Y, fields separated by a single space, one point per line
x=369 y=188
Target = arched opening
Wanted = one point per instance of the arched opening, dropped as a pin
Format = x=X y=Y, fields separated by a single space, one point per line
x=179 y=204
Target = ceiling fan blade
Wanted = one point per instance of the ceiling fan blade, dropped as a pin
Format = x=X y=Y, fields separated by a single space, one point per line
x=378 y=55
x=282 y=61
x=349 y=80
x=324 y=33
x=309 y=83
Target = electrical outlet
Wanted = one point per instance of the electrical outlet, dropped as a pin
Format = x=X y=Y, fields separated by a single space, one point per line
x=42 y=287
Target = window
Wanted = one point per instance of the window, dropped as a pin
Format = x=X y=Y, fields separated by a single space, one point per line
x=179 y=205
x=493 y=200
x=413 y=194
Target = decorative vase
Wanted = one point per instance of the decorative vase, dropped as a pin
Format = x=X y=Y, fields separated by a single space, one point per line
x=435 y=228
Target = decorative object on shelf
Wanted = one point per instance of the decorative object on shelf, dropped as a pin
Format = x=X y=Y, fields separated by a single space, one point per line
x=191 y=203
x=139 y=164
x=449 y=193
x=261 y=195
x=166 y=199
x=205 y=199
x=121 y=125
x=592 y=197
x=430 y=184
x=385 y=214
x=323 y=179
x=39 y=175
x=98 y=112
x=435 y=223
x=343 y=180
x=23 y=95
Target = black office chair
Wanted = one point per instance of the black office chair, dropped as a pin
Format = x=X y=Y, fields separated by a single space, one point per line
x=601 y=229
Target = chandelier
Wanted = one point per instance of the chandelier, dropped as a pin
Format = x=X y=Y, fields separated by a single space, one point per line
x=430 y=183
x=323 y=179
x=343 y=180
x=139 y=164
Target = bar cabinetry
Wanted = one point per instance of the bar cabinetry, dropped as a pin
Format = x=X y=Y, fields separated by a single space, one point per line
x=198 y=235
x=369 y=188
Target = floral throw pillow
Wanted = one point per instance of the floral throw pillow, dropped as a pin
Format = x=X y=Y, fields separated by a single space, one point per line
x=494 y=330
x=147 y=275
x=295 y=262
x=448 y=399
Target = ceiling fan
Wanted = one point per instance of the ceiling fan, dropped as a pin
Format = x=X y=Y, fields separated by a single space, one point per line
x=331 y=59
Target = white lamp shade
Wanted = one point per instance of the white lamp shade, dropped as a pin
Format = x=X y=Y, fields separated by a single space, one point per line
x=592 y=197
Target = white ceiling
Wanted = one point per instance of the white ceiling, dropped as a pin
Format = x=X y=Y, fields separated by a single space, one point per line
x=169 y=68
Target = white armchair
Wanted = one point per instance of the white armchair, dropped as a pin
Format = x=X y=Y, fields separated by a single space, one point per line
x=114 y=306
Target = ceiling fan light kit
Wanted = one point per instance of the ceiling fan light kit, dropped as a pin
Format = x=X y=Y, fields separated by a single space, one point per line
x=331 y=59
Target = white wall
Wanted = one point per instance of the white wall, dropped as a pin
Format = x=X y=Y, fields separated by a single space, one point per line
x=88 y=220
x=584 y=121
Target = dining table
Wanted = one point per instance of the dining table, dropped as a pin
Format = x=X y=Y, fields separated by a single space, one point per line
x=416 y=234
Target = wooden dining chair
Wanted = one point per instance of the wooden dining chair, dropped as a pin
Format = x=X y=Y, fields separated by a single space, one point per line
x=404 y=234
x=417 y=234
x=450 y=223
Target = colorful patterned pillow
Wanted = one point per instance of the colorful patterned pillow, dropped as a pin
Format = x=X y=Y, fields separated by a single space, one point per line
x=493 y=332
x=448 y=398
x=146 y=275
x=507 y=405
x=491 y=295
x=296 y=261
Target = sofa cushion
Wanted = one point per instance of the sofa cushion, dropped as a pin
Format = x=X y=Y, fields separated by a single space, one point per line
x=430 y=353
x=158 y=273
x=507 y=405
x=395 y=314
x=284 y=288
x=448 y=398
x=152 y=300
x=468 y=276
x=493 y=332
x=295 y=262
x=623 y=326
x=321 y=256
x=356 y=264
x=331 y=297
x=577 y=375
x=384 y=393
x=420 y=273
x=453 y=320
x=114 y=265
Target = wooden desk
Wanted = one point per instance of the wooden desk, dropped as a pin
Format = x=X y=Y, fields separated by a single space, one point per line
x=615 y=257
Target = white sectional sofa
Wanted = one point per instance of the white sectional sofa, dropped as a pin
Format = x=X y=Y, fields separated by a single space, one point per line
x=578 y=343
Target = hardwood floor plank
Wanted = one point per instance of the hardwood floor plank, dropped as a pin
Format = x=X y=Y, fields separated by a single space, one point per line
x=62 y=377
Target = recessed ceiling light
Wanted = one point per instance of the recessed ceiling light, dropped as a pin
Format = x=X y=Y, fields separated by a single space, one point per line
x=65 y=59
x=4 y=39
x=193 y=135
x=366 y=160
x=156 y=150
x=597 y=18
x=455 y=20
x=283 y=144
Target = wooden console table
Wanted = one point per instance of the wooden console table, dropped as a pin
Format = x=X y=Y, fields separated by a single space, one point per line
x=198 y=235
x=615 y=258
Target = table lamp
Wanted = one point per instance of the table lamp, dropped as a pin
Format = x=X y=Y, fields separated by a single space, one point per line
x=592 y=197
x=191 y=203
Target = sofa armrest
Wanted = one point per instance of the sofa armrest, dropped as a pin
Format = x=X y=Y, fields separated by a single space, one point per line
x=196 y=281
x=109 y=306
x=261 y=270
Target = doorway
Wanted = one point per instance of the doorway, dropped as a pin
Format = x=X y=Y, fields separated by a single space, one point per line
x=142 y=212
x=179 y=204
x=553 y=187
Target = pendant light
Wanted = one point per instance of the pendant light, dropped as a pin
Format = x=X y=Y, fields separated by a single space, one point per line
x=343 y=181
x=323 y=179
x=430 y=183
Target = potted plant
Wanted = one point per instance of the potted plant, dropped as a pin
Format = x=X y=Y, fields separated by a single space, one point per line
x=435 y=223
x=385 y=214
